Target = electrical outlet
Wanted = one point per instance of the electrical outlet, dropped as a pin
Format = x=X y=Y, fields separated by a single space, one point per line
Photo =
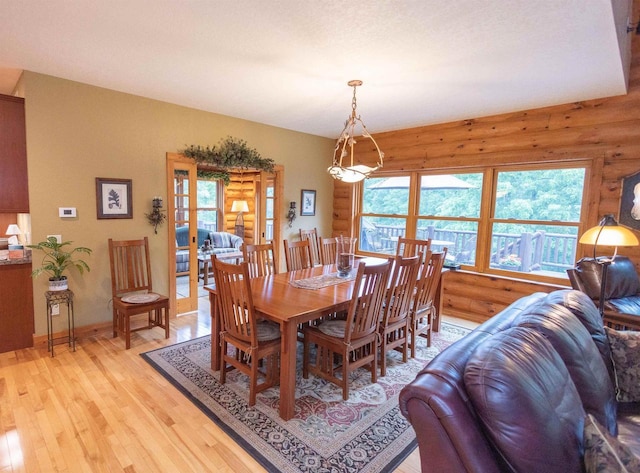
x=55 y=309
x=57 y=237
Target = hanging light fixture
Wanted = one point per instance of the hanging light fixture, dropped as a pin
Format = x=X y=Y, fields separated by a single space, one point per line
x=343 y=167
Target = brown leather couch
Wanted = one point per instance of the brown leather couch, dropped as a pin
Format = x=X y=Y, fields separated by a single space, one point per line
x=622 y=295
x=512 y=395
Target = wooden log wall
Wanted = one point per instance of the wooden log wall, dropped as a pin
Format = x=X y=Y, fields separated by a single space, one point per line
x=242 y=186
x=606 y=131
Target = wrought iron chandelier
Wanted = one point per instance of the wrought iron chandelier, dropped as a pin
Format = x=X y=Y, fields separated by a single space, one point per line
x=343 y=167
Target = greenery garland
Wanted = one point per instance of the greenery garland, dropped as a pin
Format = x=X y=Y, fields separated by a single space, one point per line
x=229 y=153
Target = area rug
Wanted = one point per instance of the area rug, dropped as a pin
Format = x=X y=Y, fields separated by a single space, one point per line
x=367 y=433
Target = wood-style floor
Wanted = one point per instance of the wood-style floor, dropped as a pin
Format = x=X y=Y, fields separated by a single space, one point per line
x=104 y=409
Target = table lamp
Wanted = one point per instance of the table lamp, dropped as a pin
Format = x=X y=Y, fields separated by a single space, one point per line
x=607 y=233
x=13 y=231
x=239 y=206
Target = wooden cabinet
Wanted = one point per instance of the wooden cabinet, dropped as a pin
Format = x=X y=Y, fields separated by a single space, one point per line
x=16 y=307
x=14 y=190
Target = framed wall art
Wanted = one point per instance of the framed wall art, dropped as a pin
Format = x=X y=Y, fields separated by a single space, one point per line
x=113 y=198
x=308 y=202
x=630 y=202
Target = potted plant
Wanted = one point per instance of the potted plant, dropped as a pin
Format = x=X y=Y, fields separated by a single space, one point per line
x=511 y=262
x=57 y=258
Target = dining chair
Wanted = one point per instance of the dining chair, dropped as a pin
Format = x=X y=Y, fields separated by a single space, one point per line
x=132 y=290
x=314 y=243
x=423 y=309
x=346 y=345
x=261 y=259
x=411 y=247
x=297 y=255
x=328 y=249
x=252 y=341
x=396 y=308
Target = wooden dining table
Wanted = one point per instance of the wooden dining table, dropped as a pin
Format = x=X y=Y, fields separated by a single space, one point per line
x=277 y=300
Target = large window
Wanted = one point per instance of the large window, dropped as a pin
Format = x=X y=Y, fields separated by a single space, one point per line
x=516 y=220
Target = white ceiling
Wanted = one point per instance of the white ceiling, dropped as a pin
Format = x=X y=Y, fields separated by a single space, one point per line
x=287 y=62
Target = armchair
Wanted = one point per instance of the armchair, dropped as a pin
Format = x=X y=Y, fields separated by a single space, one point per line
x=622 y=291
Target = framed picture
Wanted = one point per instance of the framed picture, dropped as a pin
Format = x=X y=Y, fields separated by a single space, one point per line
x=630 y=202
x=308 y=202
x=113 y=198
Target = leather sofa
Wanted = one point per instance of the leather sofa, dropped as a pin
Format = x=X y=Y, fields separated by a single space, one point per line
x=622 y=295
x=221 y=242
x=512 y=395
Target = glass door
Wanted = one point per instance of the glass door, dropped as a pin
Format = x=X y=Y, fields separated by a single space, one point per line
x=184 y=265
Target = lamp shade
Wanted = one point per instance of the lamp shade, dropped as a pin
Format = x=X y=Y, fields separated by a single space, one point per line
x=13 y=229
x=239 y=206
x=609 y=233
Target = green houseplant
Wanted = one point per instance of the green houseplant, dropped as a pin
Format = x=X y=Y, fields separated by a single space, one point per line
x=57 y=258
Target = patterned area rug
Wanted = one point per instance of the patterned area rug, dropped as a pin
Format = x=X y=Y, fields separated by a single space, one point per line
x=367 y=433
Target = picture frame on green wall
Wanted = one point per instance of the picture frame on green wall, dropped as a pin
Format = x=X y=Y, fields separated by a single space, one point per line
x=113 y=198
x=308 y=202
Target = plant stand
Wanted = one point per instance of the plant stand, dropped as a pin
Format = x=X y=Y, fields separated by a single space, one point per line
x=60 y=297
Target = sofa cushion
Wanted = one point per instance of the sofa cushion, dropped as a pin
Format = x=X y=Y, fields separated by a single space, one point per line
x=625 y=351
x=581 y=357
x=586 y=312
x=226 y=240
x=524 y=396
x=605 y=453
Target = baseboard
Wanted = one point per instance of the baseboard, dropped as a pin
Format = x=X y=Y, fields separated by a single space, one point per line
x=80 y=332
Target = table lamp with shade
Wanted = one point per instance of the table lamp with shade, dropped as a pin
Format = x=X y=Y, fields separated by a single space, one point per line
x=13 y=231
x=239 y=206
x=607 y=233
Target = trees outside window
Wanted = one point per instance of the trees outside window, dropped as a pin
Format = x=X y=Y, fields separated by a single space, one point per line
x=522 y=220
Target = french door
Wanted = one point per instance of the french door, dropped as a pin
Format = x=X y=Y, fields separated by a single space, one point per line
x=183 y=262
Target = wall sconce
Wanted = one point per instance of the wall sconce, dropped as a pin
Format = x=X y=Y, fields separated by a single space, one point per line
x=291 y=215
x=239 y=206
x=156 y=216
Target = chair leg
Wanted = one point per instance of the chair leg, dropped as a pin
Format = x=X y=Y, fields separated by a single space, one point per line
x=383 y=356
x=223 y=364
x=115 y=322
x=127 y=331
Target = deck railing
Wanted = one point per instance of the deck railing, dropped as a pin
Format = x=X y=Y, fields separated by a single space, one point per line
x=525 y=252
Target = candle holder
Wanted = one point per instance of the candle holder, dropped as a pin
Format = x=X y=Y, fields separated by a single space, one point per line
x=291 y=215
x=156 y=216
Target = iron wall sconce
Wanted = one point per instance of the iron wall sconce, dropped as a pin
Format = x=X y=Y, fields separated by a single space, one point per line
x=156 y=217
x=291 y=215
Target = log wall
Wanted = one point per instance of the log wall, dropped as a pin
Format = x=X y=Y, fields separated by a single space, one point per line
x=606 y=131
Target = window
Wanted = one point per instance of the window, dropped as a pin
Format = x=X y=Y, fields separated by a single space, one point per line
x=208 y=198
x=536 y=219
x=517 y=219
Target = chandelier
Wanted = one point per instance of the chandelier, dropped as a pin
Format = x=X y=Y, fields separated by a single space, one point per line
x=343 y=168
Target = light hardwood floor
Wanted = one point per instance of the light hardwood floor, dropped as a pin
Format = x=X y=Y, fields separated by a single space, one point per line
x=104 y=409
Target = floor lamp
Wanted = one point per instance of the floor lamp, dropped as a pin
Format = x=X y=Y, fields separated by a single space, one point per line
x=607 y=233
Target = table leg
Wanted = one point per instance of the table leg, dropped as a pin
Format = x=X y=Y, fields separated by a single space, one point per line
x=215 y=332
x=288 y=345
x=205 y=271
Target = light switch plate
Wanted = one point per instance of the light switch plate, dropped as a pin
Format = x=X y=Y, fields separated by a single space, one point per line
x=67 y=212
x=58 y=237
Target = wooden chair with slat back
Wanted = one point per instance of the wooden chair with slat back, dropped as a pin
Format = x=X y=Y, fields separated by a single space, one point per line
x=411 y=247
x=328 y=249
x=261 y=259
x=253 y=341
x=346 y=345
x=423 y=309
x=297 y=255
x=131 y=281
x=396 y=310
x=314 y=243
